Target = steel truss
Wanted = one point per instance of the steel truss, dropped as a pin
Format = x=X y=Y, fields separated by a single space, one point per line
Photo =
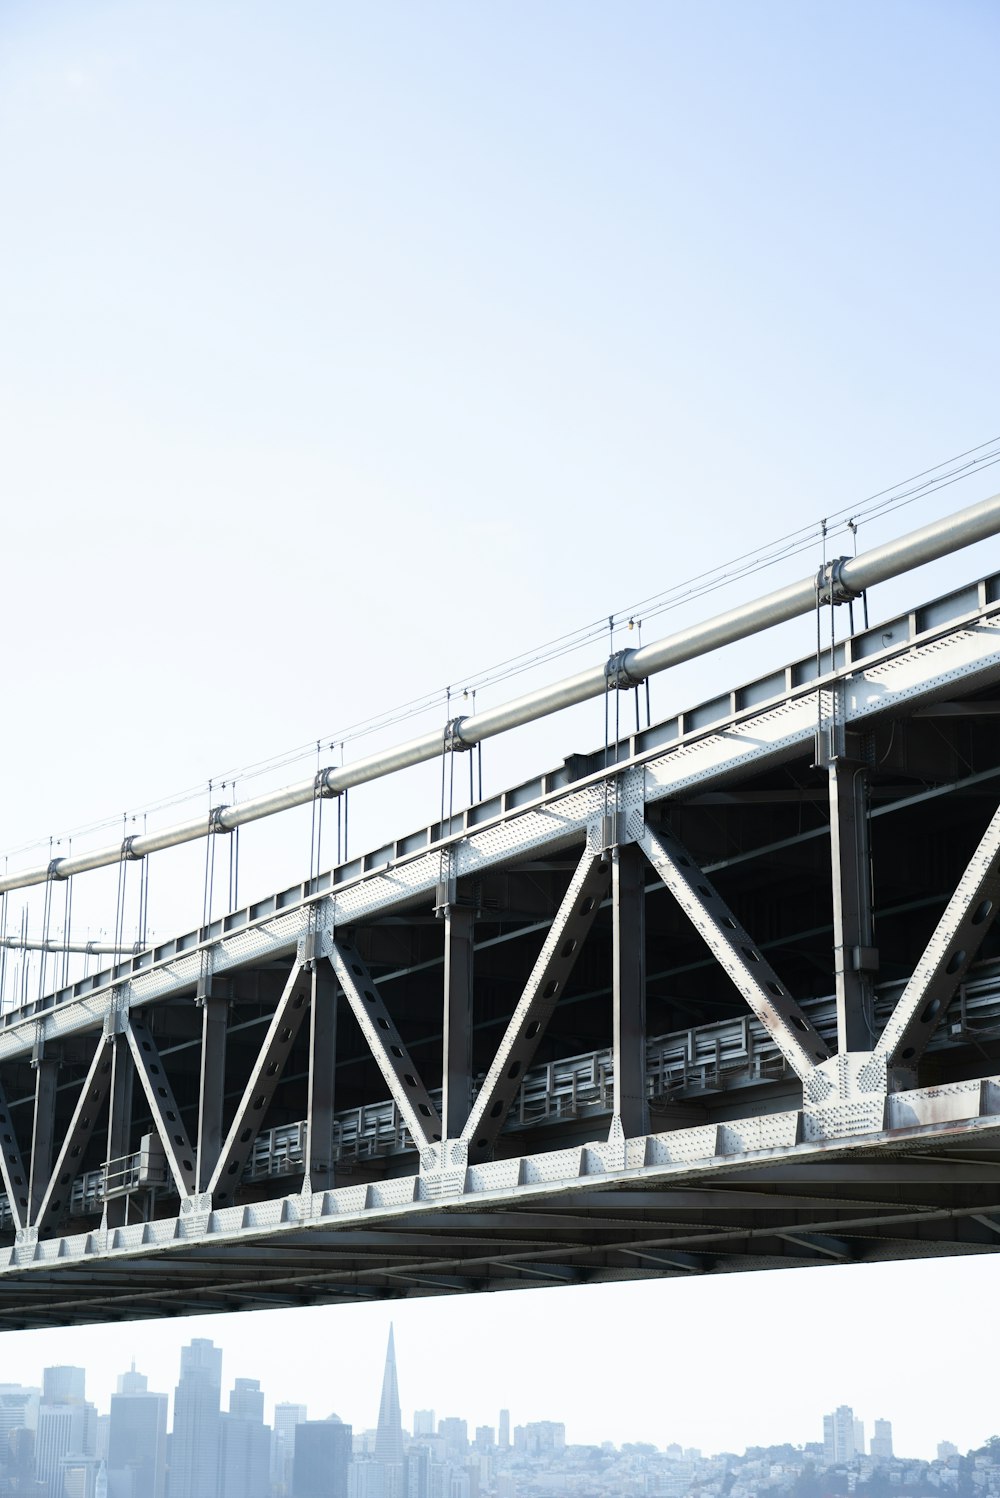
x=571 y=908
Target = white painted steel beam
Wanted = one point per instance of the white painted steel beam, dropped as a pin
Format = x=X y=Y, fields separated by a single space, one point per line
x=959 y=934
x=86 y=1114
x=267 y=1071
x=788 y=1026
x=166 y=1115
x=12 y=1171
x=386 y=1045
x=526 y=1028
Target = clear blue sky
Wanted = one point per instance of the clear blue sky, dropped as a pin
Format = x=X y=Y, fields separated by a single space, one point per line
x=347 y=348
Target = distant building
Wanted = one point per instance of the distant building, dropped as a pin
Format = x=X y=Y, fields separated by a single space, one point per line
x=504 y=1438
x=455 y=1435
x=946 y=1450
x=839 y=1436
x=859 y=1437
x=418 y=1465
x=322 y=1459
x=245 y=1444
x=194 y=1446
x=137 y=1440
x=486 y=1438
x=286 y=1418
x=544 y=1436
x=423 y=1423
x=66 y=1426
x=881 y=1447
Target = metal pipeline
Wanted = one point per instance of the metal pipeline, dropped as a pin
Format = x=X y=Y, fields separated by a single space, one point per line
x=845 y=578
x=83 y=948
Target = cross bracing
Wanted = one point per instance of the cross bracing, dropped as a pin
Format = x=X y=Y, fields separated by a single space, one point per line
x=728 y=1002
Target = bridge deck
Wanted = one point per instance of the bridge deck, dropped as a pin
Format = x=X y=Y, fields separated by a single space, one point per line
x=617 y=1022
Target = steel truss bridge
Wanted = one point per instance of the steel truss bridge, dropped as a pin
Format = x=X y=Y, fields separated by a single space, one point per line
x=724 y=997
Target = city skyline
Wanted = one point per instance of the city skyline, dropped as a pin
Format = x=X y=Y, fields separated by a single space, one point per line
x=347 y=1381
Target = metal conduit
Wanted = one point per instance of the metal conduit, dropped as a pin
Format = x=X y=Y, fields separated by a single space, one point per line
x=844 y=577
x=84 y=948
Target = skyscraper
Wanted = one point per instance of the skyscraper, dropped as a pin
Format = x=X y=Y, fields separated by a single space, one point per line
x=322 y=1459
x=839 y=1435
x=194 y=1448
x=66 y=1426
x=137 y=1440
x=245 y=1446
x=504 y=1441
x=389 y=1436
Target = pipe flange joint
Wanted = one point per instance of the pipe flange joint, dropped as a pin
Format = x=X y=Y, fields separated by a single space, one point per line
x=322 y=790
x=128 y=853
x=215 y=822
x=453 y=739
x=830 y=585
x=54 y=870
x=616 y=672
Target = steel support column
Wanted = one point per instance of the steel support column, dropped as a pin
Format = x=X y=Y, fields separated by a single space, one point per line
x=631 y=1110
x=119 y=1132
x=211 y=1085
x=321 y=1116
x=43 y=1130
x=854 y=956
x=457 y=1060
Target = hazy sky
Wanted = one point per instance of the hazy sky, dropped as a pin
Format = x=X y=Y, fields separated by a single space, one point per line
x=346 y=349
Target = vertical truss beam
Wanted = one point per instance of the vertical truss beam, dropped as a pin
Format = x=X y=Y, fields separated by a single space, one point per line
x=264 y=1078
x=456 y=1097
x=799 y=1042
x=162 y=1105
x=631 y=1111
x=853 y=940
x=119 y=1131
x=211 y=1085
x=69 y=1161
x=15 y=1179
x=524 y=1033
x=957 y=938
x=321 y=1105
x=386 y=1045
x=43 y=1130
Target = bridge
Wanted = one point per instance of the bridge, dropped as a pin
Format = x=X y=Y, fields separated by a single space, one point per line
x=723 y=994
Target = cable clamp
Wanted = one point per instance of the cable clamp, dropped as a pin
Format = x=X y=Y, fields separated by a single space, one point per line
x=215 y=822
x=616 y=672
x=54 y=869
x=128 y=853
x=321 y=790
x=830 y=585
x=453 y=735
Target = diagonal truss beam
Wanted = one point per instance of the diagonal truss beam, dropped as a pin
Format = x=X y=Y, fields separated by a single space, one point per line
x=15 y=1180
x=264 y=1078
x=524 y=1033
x=967 y=918
x=166 y=1115
x=93 y=1096
x=792 y=1032
x=385 y=1043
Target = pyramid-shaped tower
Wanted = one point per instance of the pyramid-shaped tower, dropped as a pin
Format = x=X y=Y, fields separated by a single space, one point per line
x=389 y=1435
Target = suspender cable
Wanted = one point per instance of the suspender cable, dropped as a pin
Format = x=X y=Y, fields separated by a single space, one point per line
x=852 y=575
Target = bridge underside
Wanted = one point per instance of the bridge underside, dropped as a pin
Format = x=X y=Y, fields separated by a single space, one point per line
x=725 y=998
